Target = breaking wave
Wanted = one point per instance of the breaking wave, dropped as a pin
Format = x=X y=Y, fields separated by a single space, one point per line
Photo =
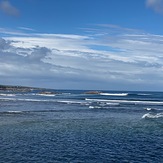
x=152 y=116
x=11 y=112
x=27 y=100
x=127 y=101
x=47 y=95
x=72 y=102
x=114 y=94
x=9 y=95
x=152 y=109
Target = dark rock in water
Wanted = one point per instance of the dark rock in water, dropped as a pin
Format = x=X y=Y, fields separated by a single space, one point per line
x=92 y=92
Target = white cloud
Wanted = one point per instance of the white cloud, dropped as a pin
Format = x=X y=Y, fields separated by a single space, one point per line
x=156 y=5
x=115 y=59
x=63 y=42
x=8 y=8
x=26 y=28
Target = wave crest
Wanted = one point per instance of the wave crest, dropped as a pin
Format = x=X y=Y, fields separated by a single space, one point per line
x=153 y=116
x=114 y=94
x=4 y=94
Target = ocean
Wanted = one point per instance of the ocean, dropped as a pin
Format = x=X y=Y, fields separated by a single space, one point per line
x=75 y=127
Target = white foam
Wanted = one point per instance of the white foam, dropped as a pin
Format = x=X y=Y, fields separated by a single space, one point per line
x=29 y=100
x=10 y=95
x=127 y=101
x=8 y=99
x=98 y=100
x=37 y=94
x=48 y=95
x=34 y=94
x=14 y=111
x=150 y=115
x=108 y=103
x=95 y=107
x=72 y=102
x=148 y=109
x=114 y=94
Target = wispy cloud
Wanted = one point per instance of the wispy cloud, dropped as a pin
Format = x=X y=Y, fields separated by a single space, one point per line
x=156 y=5
x=8 y=8
x=11 y=32
x=121 y=56
x=26 y=28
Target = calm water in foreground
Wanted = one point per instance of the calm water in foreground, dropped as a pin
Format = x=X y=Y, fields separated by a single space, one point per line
x=73 y=127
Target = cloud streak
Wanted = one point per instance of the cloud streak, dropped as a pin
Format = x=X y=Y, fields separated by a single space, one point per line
x=8 y=8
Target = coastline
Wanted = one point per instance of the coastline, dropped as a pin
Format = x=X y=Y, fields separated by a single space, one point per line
x=16 y=88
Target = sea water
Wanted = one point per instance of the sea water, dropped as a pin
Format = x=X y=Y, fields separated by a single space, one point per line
x=74 y=127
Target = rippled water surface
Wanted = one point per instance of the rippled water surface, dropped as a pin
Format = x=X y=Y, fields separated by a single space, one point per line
x=76 y=127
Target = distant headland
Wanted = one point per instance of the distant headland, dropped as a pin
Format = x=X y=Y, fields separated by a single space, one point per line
x=17 y=88
x=41 y=91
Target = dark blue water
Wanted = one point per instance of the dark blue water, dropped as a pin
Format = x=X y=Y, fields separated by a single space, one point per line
x=81 y=128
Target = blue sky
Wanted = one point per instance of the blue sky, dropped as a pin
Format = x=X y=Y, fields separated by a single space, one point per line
x=84 y=44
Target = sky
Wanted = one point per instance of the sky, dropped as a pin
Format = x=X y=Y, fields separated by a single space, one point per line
x=82 y=44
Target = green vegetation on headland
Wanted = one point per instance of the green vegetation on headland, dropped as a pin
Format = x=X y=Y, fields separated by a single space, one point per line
x=41 y=91
x=16 y=88
x=10 y=88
